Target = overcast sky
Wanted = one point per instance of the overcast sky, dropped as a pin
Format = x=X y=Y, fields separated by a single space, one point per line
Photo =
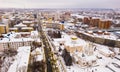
x=59 y=3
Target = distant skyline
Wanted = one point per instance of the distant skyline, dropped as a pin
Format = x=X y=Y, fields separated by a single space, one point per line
x=59 y=3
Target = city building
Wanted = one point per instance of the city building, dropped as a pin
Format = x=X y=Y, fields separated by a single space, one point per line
x=4 y=28
x=86 y=20
x=104 y=24
x=94 y=22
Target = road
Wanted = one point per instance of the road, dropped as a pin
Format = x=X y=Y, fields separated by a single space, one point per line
x=50 y=61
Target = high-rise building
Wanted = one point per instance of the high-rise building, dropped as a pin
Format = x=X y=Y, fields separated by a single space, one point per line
x=94 y=22
x=86 y=20
x=104 y=24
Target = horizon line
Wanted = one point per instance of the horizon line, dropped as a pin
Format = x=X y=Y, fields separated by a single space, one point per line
x=54 y=8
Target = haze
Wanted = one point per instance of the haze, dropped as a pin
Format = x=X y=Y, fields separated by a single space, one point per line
x=59 y=3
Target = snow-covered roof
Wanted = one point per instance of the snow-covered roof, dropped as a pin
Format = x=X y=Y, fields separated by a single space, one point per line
x=2 y=25
x=32 y=24
x=24 y=32
x=4 y=40
x=104 y=49
x=5 y=21
x=118 y=32
x=116 y=21
x=56 y=43
x=78 y=16
x=86 y=57
x=111 y=36
x=23 y=17
x=69 y=24
x=12 y=18
x=20 y=25
x=13 y=28
x=39 y=58
x=95 y=18
x=28 y=22
x=34 y=33
x=59 y=40
x=68 y=41
x=21 y=60
x=90 y=58
x=38 y=53
x=27 y=28
x=105 y=19
x=90 y=31
x=10 y=35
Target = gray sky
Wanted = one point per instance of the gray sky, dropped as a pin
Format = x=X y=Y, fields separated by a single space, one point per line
x=59 y=3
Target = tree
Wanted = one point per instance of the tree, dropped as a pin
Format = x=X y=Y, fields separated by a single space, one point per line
x=38 y=66
x=67 y=58
x=10 y=52
x=59 y=34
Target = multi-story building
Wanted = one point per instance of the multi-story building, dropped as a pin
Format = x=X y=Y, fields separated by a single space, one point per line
x=94 y=22
x=55 y=25
x=66 y=16
x=86 y=20
x=15 y=43
x=104 y=24
x=14 y=40
x=4 y=28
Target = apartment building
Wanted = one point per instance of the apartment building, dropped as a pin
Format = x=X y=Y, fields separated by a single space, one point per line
x=15 y=43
